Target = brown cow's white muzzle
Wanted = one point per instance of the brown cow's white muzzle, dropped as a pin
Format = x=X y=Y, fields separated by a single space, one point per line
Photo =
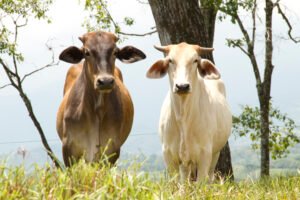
x=105 y=84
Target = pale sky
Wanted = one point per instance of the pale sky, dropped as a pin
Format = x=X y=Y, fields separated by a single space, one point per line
x=45 y=88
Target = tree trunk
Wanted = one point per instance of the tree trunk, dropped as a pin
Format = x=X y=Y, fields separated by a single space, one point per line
x=180 y=21
x=265 y=153
x=224 y=165
x=264 y=98
x=186 y=21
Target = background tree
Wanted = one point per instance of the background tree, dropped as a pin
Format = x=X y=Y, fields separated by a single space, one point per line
x=14 y=15
x=193 y=22
x=282 y=130
x=246 y=44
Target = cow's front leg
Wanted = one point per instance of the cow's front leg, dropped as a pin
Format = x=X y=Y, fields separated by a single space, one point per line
x=69 y=155
x=184 y=171
x=203 y=165
x=171 y=164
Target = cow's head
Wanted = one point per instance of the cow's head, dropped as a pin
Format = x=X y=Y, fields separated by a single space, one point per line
x=182 y=63
x=100 y=52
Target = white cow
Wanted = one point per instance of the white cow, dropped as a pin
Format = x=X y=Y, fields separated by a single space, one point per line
x=195 y=121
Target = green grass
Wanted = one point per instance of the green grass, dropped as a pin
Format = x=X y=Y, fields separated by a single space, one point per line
x=85 y=181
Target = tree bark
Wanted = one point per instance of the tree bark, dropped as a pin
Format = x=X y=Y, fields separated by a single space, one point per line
x=186 y=21
x=265 y=97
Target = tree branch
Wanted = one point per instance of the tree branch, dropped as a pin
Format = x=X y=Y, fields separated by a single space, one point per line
x=143 y=2
x=254 y=23
x=241 y=48
x=250 y=50
x=250 y=43
x=117 y=26
x=51 y=64
x=243 y=29
x=15 y=42
x=26 y=100
x=138 y=35
x=4 y=86
x=9 y=73
x=10 y=49
x=109 y=15
x=39 y=69
x=284 y=17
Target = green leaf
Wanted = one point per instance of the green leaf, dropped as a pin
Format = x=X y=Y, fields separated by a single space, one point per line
x=282 y=129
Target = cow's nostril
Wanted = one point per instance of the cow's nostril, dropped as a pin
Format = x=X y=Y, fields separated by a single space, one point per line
x=100 y=82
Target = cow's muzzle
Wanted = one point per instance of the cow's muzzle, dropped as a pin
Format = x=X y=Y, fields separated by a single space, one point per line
x=105 y=83
x=182 y=88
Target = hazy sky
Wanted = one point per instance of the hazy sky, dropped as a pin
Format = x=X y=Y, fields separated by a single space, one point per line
x=45 y=88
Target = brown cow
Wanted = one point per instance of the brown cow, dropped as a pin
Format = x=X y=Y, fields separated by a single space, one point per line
x=96 y=113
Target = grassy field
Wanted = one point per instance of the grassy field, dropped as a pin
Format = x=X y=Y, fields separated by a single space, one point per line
x=95 y=181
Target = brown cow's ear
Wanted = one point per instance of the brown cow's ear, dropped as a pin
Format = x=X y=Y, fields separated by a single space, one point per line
x=71 y=55
x=208 y=70
x=130 y=54
x=158 y=69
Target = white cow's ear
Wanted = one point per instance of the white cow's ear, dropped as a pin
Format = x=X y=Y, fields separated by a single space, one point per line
x=158 y=69
x=208 y=70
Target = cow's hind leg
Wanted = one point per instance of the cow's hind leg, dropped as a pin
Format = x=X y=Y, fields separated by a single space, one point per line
x=114 y=157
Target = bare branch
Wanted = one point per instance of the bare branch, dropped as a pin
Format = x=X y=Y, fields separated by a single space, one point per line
x=243 y=50
x=11 y=75
x=39 y=69
x=7 y=70
x=22 y=25
x=243 y=29
x=123 y=33
x=4 y=86
x=250 y=44
x=138 y=35
x=14 y=55
x=284 y=17
x=143 y=2
x=254 y=23
x=250 y=50
x=51 y=64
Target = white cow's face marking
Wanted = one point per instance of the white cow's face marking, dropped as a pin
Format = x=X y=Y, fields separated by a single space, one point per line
x=182 y=68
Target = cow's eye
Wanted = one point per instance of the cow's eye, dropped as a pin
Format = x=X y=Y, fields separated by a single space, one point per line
x=196 y=61
x=171 y=60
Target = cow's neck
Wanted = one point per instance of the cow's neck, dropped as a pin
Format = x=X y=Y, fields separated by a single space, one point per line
x=187 y=108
